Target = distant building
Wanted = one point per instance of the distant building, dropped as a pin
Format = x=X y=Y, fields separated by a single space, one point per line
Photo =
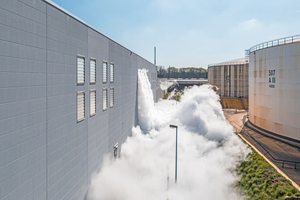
x=231 y=77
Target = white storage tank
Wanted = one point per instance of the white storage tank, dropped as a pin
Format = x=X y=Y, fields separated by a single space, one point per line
x=274 y=86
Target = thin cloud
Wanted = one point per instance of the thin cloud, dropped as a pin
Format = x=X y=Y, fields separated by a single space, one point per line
x=249 y=25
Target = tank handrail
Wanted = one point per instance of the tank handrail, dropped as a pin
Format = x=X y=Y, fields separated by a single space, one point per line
x=271 y=43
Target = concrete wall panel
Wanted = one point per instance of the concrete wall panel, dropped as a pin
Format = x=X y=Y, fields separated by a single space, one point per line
x=44 y=152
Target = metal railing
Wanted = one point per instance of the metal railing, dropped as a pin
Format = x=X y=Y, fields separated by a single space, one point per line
x=243 y=103
x=228 y=63
x=277 y=42
x=282 y=161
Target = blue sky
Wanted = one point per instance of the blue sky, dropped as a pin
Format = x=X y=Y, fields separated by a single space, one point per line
x=189 y=32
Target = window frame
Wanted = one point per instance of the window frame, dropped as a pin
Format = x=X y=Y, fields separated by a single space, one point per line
x=77 y=70
x=104 y=76
x=105 y=102
x=83 y=106
x=112 y=72
x=95 y=109
x=112 y=97
x=93 y=60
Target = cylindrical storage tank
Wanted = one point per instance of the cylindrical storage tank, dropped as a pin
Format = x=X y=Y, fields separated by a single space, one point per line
x=274 y=89
x=231 y=77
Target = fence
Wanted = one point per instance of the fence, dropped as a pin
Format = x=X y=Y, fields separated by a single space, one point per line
x=228 y=63
x=282 y=161
x=277 y=42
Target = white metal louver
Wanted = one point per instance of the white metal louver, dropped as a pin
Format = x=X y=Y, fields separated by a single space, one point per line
x=92 y=102
x=104 y=72
x=112 y=70
x=92 y=71
x=112 y=100
x=104 y=99
x=80 y=106
x=80 y=70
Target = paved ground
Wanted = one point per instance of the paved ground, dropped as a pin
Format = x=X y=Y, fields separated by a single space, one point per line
x=236 y=118
x=283 y=154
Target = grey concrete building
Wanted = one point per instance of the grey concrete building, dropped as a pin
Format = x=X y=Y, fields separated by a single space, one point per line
x=231 y=77
x=274 y=92
x=68 y=94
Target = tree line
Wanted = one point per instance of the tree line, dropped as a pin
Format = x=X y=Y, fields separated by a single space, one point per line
x=185 y=72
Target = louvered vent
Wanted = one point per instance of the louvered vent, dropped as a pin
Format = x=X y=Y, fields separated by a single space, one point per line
x=80 y=106
x=92 y=102
x=80 y=70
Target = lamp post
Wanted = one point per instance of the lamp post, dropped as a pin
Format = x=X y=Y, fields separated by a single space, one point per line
x=174 y=126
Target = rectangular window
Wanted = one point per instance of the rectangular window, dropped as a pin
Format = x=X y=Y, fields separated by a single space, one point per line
x=112 y=72
x=92 y=71
x=104 y=99
x=92 y=102
x=104 y=72
x=112 y=100
x=80 y=106
x=80 y=70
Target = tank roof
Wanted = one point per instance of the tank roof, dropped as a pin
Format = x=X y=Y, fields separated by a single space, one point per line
x=239 y=61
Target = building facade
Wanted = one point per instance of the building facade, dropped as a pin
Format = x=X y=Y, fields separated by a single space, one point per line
x=274 y=100
x=68 y=95
x=231 y=77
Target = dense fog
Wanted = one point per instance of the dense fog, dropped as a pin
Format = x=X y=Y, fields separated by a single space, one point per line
x=208 y=151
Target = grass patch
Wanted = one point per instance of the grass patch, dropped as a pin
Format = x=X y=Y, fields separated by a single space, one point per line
x=259 y=180
x=166 y=95
x=178 y=96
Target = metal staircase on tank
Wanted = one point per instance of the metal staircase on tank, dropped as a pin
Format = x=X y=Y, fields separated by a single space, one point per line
x=243 y=103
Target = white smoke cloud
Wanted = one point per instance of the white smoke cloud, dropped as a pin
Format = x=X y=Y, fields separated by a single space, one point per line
x=164 y=85
x=200 y=112
x=208 y=152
